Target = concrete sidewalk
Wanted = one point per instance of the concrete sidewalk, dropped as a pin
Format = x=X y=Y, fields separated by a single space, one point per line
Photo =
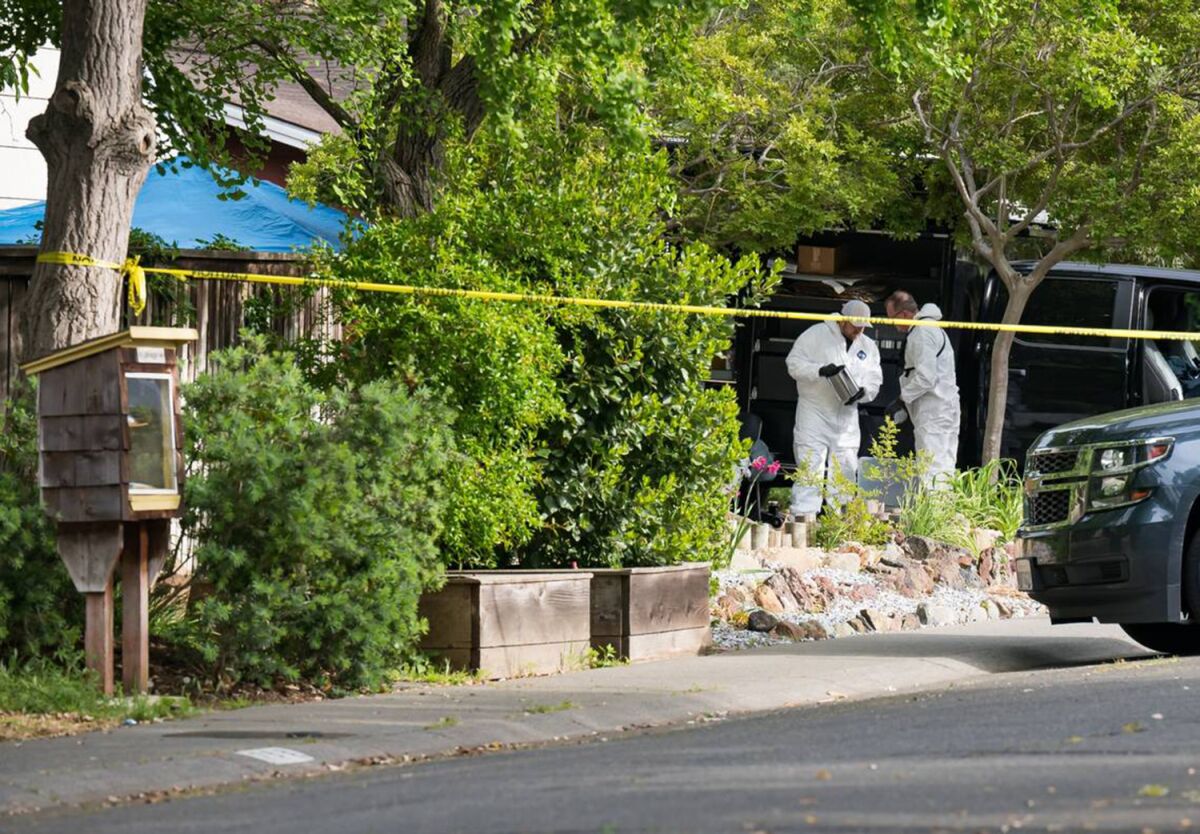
x=209 y=751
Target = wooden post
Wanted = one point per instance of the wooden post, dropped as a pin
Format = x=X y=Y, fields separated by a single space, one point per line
x=98 y=636
x=135 y=609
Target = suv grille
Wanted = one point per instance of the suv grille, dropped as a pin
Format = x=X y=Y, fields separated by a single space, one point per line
x=1048 y=463
x=1048 y=507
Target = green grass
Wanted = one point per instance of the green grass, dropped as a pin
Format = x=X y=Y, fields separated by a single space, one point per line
x=603 y=658
x=542 y=709
x=426 y=670
x=442 y=723
x=44 y=688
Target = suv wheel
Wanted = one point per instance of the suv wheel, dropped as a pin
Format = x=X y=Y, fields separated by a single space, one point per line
x=1168 y=638
x=1176 y=638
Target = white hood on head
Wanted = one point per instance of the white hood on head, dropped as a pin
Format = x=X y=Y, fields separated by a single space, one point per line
x=930 y=311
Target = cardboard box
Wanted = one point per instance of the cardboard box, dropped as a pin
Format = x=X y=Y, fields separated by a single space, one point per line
x=818 y=260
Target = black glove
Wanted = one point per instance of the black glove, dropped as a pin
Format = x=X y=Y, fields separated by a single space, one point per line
x=858 y=395
x=830 y=370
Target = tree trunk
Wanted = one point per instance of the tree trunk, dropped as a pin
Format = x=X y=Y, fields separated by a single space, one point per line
x=997 y=401
x=98 y=141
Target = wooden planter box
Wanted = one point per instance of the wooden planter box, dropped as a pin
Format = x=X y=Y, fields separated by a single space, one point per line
x=646 y=613
x=510 y=623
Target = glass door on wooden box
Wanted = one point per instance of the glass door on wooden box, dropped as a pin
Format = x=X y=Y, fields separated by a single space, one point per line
x=151 y=433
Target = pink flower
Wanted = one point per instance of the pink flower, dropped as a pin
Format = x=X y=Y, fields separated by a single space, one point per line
x=773 y=469
x=759 y=463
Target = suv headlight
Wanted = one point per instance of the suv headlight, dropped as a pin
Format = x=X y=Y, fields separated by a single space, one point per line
x=1114 y=470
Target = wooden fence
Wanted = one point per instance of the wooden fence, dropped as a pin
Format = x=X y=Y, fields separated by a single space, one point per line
x=219 y=310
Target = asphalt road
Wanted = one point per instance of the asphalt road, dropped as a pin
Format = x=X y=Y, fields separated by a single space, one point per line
x=1113 y=747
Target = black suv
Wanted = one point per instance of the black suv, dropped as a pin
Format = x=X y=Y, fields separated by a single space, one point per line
x=1111 y=515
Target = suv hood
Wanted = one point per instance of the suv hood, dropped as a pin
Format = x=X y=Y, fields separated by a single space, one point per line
x=1148 y=421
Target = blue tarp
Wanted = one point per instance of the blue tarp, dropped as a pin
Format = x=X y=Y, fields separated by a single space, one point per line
x=183 y=207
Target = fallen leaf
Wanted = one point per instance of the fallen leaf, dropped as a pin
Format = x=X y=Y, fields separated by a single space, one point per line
x=1133 y=727
x=1154 y=790
x=824 y=775
x=1074 y=739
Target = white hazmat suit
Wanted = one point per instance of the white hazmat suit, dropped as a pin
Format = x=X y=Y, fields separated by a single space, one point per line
x=930 y=393
x=824 y=424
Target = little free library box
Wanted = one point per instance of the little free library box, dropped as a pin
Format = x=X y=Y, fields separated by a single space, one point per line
x=110 y=469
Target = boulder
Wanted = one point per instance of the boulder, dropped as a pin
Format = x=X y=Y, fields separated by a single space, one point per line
x=863 y=593
x=985 y=539
x=843 y=630
x=760 y=620
x=892 y=555
x=745 y=560
x=921 y=548
x=766 y=599
x=841 y=561
x=726 y=606
x=860 y=625
x=801 y=559
x=932 y=614
x=911 y=580
x=878 y=620
x=910 y=622
x=991 y=609
x=783 y=592
x=804 y=630
x=945 y=566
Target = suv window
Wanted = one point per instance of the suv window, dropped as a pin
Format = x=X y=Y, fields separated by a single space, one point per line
x=1066 y=302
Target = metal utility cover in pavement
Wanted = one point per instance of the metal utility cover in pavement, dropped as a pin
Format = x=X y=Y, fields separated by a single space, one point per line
x=276 y=755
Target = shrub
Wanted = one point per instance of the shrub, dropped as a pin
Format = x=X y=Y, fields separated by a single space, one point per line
x=591 y=437
x=40 y=612
x=315 y=515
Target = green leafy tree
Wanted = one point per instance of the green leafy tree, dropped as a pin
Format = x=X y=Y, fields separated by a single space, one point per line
x=783 y=127
x=590 y=436
x=1076 y=113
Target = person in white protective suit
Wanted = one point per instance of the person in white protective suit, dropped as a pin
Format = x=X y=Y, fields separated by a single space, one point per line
x=824 y=420
x=928 y=386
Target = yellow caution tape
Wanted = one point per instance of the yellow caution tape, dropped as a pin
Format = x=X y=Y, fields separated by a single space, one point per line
x=137 y=273
x=130 y=269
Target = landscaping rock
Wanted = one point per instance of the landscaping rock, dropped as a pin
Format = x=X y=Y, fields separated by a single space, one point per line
x=788 y=630
x=921 y=548
x=744 y=560
x=767 y=600
x=991 y=609
x=892 y=555
x=910 y=622
x=726 y=606
x=762 y=621
x=779 y=584
x=878 y=620
x=843 y=630
x=911 y=580
x=932 y=614
x=860 y=625
x=841 y=561
x=798 y=558
x=803 y=630
x=985 y=539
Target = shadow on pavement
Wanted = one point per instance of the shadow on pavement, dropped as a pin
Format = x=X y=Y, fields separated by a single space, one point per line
x=986 y=652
